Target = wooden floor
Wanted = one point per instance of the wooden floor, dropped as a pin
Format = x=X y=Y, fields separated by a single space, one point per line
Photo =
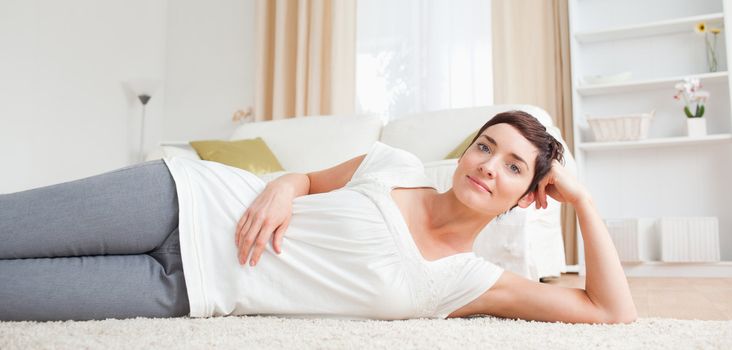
x=680 y=298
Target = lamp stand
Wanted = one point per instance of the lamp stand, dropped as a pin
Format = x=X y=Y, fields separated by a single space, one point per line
x=144 y=99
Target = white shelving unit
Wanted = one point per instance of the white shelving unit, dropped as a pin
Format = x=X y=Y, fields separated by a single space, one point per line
x=669 y=173
x=676 y=25
x=647 y=84
x=656 y=142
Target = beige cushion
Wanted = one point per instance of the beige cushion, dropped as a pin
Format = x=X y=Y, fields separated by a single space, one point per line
x=252 y=155
x=458 y=151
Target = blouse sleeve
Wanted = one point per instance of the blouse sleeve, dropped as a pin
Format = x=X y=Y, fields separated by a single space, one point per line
x=393 y=166
x=468 y=281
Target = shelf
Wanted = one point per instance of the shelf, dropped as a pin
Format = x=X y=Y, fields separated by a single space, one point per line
x=650 y=84
x=678 y=25
x=659 y=142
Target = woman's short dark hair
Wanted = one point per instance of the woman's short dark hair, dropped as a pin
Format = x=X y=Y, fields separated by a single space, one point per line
x=549 y=148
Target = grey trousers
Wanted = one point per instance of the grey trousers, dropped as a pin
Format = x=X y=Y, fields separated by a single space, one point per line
x=105 y=246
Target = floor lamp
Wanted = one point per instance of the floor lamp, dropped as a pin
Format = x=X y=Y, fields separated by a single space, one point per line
x=143 y=89
x=144 y=98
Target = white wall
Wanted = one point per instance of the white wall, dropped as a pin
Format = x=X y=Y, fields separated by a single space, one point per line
x=209 y=67
x=64 y=112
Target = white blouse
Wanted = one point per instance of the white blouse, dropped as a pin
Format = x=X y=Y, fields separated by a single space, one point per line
x=347 y=253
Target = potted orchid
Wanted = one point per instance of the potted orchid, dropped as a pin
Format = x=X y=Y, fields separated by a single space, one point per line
x=694 y=99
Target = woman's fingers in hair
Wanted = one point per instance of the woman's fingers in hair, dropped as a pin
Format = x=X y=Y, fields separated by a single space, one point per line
x=539 y=191
x=541 y=197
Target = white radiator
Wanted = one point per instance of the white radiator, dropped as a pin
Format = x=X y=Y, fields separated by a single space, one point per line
x=635 y=239
x=671 y=239
x=689 y=239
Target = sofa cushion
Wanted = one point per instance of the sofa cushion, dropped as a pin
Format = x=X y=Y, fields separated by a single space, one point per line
x=252 y=155
x=458 y=151
x=306 y=144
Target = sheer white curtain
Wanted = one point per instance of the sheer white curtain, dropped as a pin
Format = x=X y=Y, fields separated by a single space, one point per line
x=422 y=55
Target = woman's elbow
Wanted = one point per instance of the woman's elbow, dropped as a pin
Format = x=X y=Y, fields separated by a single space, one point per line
x=625 y=317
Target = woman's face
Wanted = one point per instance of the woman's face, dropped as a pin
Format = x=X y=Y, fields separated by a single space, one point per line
x=501 y=159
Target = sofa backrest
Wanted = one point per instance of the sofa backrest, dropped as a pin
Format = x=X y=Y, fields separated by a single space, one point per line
x=432 y=135
x=314 y=143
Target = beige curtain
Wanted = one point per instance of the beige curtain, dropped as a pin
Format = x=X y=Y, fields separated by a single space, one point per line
x=531 y=65
x=305 y=62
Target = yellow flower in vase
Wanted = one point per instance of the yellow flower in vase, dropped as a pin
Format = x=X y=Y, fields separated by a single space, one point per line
x=700 y=27
x=709 y=44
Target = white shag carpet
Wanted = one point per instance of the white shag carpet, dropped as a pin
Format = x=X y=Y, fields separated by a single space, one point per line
x=257 y=332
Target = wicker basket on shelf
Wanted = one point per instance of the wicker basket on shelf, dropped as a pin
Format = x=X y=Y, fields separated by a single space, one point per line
x=628 y=127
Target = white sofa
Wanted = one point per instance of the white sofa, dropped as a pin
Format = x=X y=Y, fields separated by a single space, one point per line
x=526 y=241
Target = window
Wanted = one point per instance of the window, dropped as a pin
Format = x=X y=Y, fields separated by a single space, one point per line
x=422 y=55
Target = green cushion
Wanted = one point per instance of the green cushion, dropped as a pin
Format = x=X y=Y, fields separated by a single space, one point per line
x=463 y=145
x=251 y=155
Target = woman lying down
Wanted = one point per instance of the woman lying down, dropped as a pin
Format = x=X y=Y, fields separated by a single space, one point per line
x=370 y=238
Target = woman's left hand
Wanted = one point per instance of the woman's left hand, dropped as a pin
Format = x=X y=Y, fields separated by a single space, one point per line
x=561 y=185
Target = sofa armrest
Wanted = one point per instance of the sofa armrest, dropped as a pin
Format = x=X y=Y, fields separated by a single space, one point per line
x=173 y=149
x=156 y=153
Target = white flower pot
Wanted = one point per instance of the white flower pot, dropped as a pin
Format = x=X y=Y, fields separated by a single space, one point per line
x=696 y=127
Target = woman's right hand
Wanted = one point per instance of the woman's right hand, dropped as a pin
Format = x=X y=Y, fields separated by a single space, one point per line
x=561 y=185
x=267 y=217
